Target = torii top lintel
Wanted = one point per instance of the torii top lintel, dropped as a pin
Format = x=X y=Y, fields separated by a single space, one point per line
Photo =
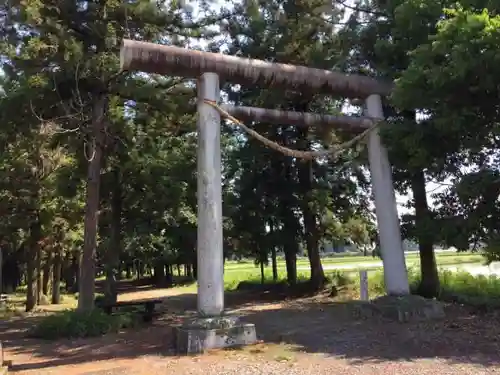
x=161 y=59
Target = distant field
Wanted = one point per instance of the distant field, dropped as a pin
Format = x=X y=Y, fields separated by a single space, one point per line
x=442 y=258
x=236 y=272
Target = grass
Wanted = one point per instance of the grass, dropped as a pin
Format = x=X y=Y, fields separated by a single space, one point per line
x=456 y=286
x=235 y=273
x=17 y=303
x=456 y=283
x=479 y=291
x=442 y=258
x=76 y=324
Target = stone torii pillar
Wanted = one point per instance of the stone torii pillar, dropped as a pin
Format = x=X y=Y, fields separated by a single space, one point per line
x=207 y=67
x=393 y=257
x=211 y=329
x=210 y=254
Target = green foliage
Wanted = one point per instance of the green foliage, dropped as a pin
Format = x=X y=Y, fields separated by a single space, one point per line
x=339 y=278
x=443 y=114
x=443 y=118
x=290 y=203
x=75 y=324
x=460 y=287
x=234 y=279
x=253 y=283
x=450 y=76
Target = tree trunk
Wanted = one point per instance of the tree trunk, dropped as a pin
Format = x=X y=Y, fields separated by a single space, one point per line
x=32 y=264
x=192 y=270
x=66 y=272
x=262 y=275
x=115 y=247
x=291 y=249
x=87 y=267
x=56 y=277
x=429 y=282
x=193 y=262
x=76 y=264
x=1 y=269
x=11 y=267
x=71 y=272
x=311 y=233
x=159 y=274
x=290 y=225
x=169 y=276
x=290 y=243
x=47 y=272
x=273 y=254
x=138 y=270
x=39 y=276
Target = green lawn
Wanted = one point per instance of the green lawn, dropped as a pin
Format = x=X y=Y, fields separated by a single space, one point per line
x=442 y=258
x=451 y=257
x=237 y=272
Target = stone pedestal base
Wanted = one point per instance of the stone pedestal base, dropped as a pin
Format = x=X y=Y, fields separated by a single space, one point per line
x=403 y=309
x=203 y=334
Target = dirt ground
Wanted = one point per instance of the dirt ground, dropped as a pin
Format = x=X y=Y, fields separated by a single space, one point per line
x=315 y=335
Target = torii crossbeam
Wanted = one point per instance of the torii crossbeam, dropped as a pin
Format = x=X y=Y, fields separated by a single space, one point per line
x=160 y=59
x=208 y=67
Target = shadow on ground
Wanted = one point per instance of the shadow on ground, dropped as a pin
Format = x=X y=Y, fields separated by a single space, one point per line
x=337 y=329
x=309 y=325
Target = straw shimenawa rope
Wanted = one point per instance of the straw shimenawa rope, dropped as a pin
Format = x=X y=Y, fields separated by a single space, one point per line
x=307 y=155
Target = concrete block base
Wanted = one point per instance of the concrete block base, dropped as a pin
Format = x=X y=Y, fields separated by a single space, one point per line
x=404 y=309
x=200 y=335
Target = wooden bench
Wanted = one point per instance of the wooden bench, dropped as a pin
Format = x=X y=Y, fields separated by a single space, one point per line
x=149 y=307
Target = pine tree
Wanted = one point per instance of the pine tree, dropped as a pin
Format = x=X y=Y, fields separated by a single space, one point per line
x=68 y=54
x=294 y=197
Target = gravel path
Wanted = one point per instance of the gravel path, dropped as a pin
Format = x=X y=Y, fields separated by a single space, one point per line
x=301 y=366
x=307 y=336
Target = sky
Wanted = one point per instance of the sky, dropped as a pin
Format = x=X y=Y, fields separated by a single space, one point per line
x=401 y=200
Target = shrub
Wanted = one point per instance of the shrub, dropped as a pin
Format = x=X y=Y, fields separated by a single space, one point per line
x=257 y=286
x=97 y=296
x=460 y=287
x=21 y=289
x=479 y=291
x=338 y=278
x=376 y=284
x=75 y=324
x=99 y=299
x=234 y=278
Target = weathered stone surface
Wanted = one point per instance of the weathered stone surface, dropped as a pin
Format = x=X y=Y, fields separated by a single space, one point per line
x=408 y=308
x=197 y=336
x=400 y=308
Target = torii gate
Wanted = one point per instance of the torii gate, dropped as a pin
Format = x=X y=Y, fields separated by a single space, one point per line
x=207 y=67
